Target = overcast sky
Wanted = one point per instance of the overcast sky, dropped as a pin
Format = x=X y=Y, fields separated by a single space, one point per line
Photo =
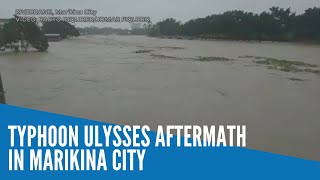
x=156 y=9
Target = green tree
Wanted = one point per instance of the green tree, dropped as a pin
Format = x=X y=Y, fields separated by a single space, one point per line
x=277 y=24
x=169 y=27
x=308 y=24
x=63 y=28
x=152 y=30
x=19 y=35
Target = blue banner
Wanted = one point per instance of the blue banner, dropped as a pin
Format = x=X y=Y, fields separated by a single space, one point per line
x=79 y=148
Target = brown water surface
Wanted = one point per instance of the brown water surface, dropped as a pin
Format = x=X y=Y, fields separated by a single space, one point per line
x=104 y=78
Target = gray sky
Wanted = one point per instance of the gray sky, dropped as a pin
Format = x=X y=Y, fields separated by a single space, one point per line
x=156 y=9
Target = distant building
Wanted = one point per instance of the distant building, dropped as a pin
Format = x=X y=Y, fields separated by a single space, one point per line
x=2 y=22
x=53 y=37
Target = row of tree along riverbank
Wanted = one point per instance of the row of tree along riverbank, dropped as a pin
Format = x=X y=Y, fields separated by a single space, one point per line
x=20 y=35
x=277 y=24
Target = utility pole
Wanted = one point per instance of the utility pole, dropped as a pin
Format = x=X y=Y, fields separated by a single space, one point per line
x=2 y=99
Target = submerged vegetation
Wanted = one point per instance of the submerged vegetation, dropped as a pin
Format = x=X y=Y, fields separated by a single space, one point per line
x=315 y=71
x=251 y=57
x=208 y=59
x=160 y=56
x=277 y=24
x=296 y=79
x=284 y=65
x=143 y=51
x=287 y=66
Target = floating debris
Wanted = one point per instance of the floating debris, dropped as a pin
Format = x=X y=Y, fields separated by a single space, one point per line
x=199 y=58
x=296 y=79
x=222 y=93
x=170 y=47
x=252 y=57
x=144 y=51
x=315 y=71
x=164 y=56
x=208 y=59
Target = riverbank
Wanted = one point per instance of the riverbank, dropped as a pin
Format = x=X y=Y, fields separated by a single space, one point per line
x=215 y=38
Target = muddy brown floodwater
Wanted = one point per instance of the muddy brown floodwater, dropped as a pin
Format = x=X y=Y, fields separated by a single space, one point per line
x=149 y=81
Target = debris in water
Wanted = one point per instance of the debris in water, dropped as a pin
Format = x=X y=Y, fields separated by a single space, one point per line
x=252 y=57
x=143 y=51
x=170 y=47
x=208 y=59
x=315 y=71
x=164 y=56
x=221 y=92
x=296 y=79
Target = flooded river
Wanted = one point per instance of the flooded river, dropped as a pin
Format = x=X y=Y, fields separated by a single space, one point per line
x=140 y=80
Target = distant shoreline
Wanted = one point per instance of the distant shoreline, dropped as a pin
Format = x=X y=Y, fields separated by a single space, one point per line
x=234 y=39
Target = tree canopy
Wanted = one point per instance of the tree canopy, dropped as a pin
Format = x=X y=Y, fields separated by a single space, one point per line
x=276 y=24
x=63 y=28
x=19 y=35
